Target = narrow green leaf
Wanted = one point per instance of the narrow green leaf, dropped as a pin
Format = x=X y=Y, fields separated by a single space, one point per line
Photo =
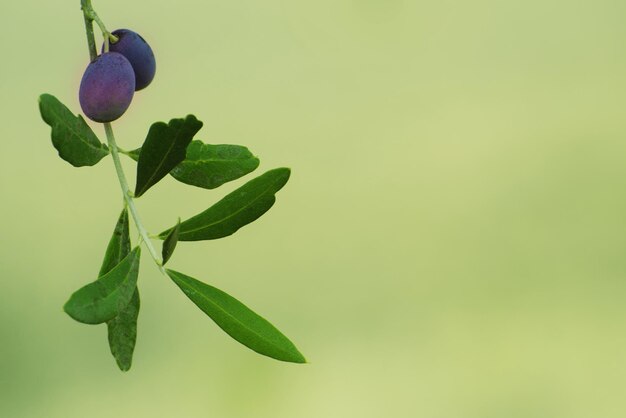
x=209 y=166
x=119 y=245
x=169 y=244
x=123 y=333
x=235 y=210
x=237 y=320
x=105 y=298
x=122 y=330
x=164 y=148
x=71 y=136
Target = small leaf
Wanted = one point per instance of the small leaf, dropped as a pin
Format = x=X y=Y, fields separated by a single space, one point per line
x=119 y=245
x=103 y=299
x=209 y=166
x=123 y=333
x=169 y=245
x=235 y=210
x=237 y=320
x=122 y=330
x=164 y=148
x=71 y=136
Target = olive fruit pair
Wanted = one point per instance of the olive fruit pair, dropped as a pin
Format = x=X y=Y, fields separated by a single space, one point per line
x=110 y=80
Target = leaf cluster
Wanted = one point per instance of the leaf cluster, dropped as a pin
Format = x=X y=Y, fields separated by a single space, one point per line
x=170 y=148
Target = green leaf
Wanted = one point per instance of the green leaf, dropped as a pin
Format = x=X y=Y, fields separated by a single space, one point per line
x=119 y=245
x=71 y=136
x=235 y=210
x=237 y=320
x=122 y=330
x=209 y=166
x=169 y=245
x=123 y=333
x=105 y=298
x=164 y=148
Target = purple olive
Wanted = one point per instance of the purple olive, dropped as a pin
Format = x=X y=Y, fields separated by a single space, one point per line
x=138 y=52
x=107 y=87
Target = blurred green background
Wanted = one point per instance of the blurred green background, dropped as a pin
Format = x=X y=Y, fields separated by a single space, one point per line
x=451 y=243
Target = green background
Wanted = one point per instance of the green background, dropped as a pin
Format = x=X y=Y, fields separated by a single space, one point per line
x=451 y=243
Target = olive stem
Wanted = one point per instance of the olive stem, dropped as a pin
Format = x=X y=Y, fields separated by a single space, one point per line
x=128 y=195
x=91 y=40
x=90 y=16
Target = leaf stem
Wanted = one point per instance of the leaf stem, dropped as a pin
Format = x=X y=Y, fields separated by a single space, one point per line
x=128 y=196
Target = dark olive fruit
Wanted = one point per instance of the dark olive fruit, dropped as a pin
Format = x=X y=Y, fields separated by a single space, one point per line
x=138 y=52
x=107 y=87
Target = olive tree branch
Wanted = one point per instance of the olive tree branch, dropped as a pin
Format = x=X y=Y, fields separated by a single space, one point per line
x=128 y=195
x=85 y=5
x=90 y=15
